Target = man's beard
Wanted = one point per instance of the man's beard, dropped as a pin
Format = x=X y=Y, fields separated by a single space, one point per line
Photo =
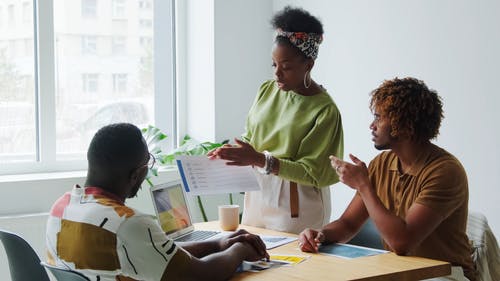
x=382 y=146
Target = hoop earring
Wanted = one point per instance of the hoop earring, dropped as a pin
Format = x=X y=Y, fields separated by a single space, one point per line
x=305 y=80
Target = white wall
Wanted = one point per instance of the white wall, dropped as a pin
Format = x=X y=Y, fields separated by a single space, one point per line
x=227 y=55
x=243 y=60
x=452 y=45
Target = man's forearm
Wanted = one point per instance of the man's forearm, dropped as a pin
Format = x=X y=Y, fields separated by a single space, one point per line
x=200 y=249
x=338 y=231
x=390 y=226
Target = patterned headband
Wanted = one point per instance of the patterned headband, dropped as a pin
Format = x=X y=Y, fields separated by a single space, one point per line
x=308 y=43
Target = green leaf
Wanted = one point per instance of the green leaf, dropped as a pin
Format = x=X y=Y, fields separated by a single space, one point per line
x=155 y=151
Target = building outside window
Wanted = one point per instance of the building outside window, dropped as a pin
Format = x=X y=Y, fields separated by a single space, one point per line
x=89 y=8
x=50 y=115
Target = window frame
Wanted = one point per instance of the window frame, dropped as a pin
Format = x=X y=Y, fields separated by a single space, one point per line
x=44 y=56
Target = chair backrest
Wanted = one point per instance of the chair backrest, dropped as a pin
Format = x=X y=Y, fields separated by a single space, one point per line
x=62 y=274
x=486 y=253
x=24 y=263
x=368 y=236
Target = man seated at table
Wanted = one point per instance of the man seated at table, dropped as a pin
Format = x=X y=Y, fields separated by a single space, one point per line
x=416 y=193
x=91 y=230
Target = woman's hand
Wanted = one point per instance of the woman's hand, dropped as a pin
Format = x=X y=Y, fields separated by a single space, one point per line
x=212 y=154
x=310 y=239
x=241 y=154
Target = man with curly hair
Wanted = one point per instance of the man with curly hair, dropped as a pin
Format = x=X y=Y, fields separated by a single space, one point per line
x=416 y=193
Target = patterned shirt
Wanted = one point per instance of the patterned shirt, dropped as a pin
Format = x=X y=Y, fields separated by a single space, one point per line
x=91 y=231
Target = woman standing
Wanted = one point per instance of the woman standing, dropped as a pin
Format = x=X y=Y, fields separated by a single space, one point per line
x=292 y=128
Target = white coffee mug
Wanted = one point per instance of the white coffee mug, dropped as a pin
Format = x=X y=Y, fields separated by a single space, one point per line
x=229 y=217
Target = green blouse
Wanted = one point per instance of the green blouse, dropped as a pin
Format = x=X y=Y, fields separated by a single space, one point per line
x=301 y=131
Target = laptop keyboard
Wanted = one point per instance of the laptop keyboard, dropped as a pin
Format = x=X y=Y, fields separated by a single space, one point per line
x=196 y=235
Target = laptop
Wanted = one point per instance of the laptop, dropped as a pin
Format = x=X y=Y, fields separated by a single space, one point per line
x=173 y=214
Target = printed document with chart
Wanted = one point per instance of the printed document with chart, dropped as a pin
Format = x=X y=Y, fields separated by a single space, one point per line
x=201 y=175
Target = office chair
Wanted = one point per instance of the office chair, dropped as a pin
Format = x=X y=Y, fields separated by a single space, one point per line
x=368 y=236
x=24 y=263
x=63 y=274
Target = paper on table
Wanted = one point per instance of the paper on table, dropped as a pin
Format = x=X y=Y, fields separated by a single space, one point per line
x=348 y=251
x=201 y=175
x=289 y=259
x=272 y=241
x=274 y=261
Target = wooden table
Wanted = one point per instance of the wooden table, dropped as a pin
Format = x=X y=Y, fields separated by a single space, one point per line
x=383 y=267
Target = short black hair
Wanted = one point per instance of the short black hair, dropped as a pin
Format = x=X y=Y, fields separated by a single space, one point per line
x=414 y=110
x=295 y=20
x=116 y=147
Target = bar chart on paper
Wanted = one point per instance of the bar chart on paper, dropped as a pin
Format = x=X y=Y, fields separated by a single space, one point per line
x=201 y=175
x=348 y=251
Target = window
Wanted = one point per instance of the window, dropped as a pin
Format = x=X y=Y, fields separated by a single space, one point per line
x=119 y=82
x=145 y=4
x=2 y=16
x=11 y=16
x=118 y=45
x=13 y=48
x=89 y=45
x=89 y=8
x=146 y=42
x=28 y=47
x=118 y=8
x=53 y=103
x=145 y=23
x=27 y=12
x=90 y=82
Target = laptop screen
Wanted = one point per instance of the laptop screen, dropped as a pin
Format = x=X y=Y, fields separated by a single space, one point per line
x=171 y=207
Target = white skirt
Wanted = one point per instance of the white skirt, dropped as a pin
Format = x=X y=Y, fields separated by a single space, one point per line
x=270 y=207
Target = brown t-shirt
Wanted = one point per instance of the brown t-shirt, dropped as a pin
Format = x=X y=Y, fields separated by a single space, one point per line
x=438 y=181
